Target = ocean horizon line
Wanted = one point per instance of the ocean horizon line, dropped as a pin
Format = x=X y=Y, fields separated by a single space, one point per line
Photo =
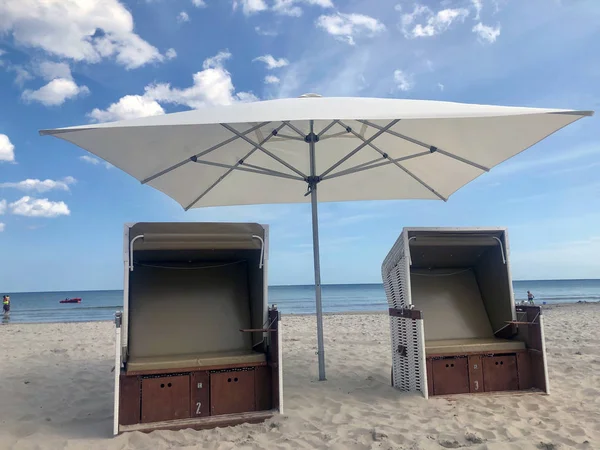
x=289 y=285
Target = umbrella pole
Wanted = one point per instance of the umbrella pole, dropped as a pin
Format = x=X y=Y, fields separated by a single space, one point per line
x=313 y=181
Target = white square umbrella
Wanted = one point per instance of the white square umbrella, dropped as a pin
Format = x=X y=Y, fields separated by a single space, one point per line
x=284 y=151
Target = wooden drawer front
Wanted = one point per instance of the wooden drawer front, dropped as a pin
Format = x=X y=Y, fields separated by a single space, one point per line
x=500 y=373
x=475 y=374
x=129 y=400
x=200 y=391
x=232 y=392
x=165 y=398
x=450 y=376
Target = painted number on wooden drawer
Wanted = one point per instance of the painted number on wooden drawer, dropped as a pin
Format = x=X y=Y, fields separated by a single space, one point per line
x=198 y=408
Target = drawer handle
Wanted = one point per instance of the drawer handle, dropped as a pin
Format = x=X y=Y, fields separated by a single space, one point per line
x=235 y=380
x=501 y=363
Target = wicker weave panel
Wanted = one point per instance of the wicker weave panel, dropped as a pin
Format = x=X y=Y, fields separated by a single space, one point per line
x=408 y=346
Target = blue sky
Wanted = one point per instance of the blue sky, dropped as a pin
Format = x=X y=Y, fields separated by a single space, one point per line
x=72 y=62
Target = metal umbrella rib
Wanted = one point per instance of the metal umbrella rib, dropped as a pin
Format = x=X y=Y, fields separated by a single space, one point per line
x=360 y=147
x=205 y=152
x=222 y=177
x=373 y=164
x=294 y=128
x=264 y=150
x=397 y=163
x=251 y=168
x=432 y=148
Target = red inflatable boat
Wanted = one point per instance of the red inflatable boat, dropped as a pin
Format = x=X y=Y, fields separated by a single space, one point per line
x=70 y=300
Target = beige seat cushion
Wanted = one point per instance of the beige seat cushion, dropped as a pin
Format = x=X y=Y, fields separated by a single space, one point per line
x=452 y=346
x=136 y=364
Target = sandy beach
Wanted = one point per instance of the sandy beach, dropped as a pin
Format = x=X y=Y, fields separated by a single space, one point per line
x=57 y=393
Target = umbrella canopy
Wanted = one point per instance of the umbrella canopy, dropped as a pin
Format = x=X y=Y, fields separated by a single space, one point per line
x=277 y=151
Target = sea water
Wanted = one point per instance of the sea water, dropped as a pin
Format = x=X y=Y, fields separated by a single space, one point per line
x=34 y=307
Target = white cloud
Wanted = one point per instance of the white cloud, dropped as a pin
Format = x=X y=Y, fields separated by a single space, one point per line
x=217 y=60
x=90 y=160
x=433 y=24
x=2 y=207
x=290 y=7
x=183 y=17
x=321 y=3
x=409 y=18
x=41 y=185
x=287 y=8
x=271 y=62
x=398 y=7
x=346 y=26
x=211 y=86
x=7 y=149
x=441 y=86
x=271 y=79
x=250 y=6
x=42 y=207
x=262 y=32
x=283 y=7
x=49 y=70
x=22 y=76
x=83 y=30
x=95 y=161
x=2 y=227
x=171 y=54
x=486 y=33
x=245 y=97
x=55 y=93
x=403 y=81
x=478 y=5
x=128 y=107
x=199 y=3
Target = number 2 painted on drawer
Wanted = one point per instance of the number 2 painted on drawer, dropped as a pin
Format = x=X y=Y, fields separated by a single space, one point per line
x=198 y=407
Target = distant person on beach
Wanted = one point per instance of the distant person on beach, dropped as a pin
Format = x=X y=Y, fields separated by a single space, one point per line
x=530 y=298
x=6 y=304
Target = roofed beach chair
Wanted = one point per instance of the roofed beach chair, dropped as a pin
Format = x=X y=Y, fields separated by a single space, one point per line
x=454 y=325
x=197 y=344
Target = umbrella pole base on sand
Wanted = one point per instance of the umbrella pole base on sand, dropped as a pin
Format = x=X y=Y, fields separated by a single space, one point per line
x=312 y=186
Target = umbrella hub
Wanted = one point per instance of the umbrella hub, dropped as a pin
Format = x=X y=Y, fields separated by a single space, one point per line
x=311 y=182
x=311 y=137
